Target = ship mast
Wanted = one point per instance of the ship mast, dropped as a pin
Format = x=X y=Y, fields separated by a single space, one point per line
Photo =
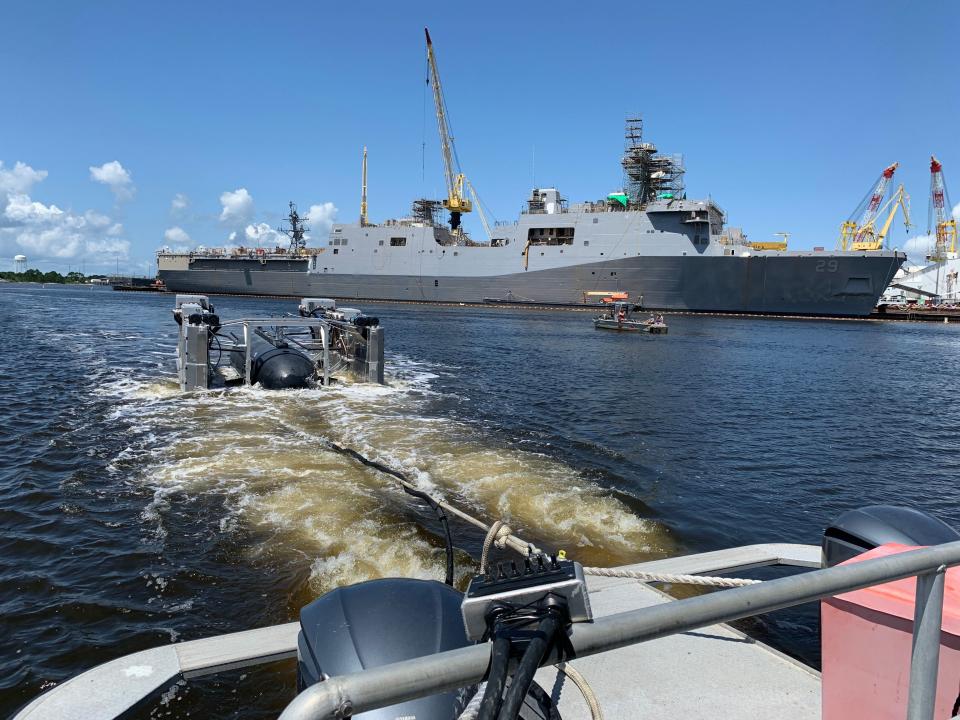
x=363 y=190
x=297 y=231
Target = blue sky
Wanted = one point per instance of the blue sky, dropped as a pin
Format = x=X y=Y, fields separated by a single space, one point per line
x=785 y=112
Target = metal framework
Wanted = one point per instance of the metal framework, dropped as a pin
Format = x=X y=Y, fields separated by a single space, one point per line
x=456 y=202
x=648 y=175
x=859 y=226
x=251 y=325
x=425 y=211
x=940 y=223
x=867 y=237
x=296 y=231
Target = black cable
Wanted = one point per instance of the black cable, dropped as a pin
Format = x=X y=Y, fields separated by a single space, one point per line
x=529 y=664
x=496 y=678
x=442 y=517
x=438 y=511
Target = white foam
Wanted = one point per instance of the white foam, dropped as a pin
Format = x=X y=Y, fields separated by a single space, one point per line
x=263 y=455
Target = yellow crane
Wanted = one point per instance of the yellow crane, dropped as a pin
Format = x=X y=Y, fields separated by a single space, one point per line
x=853 y=229
x=867 y=237
x=480 y=212
x=772 y=244
x=456 y=202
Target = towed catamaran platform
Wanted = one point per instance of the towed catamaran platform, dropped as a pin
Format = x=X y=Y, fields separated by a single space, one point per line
x=631 y=650
x=276 y=352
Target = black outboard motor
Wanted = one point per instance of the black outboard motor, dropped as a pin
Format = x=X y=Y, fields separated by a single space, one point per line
x=379 y=622
x=275 y=367
x=857 y=531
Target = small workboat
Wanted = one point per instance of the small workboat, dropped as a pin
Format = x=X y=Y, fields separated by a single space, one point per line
x=619 y=319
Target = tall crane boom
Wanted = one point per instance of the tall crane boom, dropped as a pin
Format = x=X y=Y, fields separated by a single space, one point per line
x=456 y=202
x=868 y=238
x=862 y=231
x=945 y=230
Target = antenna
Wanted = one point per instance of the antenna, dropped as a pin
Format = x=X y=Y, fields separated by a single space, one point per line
x=363 y=190
x=296 y=231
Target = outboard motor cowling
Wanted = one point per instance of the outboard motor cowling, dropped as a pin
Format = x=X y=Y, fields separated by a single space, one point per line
x=379 y=622
x=860 y=530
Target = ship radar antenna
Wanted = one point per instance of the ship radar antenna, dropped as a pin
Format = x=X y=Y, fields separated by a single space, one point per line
x=296 y=231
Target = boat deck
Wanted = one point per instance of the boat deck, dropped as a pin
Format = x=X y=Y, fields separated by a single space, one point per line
x=717 y=672
x=714 y=672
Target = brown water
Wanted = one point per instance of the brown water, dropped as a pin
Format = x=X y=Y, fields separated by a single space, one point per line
x=137 y=515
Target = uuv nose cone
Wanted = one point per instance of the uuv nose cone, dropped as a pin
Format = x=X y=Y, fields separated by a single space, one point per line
x=283 y=368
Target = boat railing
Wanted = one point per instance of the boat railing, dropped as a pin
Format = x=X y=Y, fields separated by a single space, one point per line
x=109 y=690
x=359 y=692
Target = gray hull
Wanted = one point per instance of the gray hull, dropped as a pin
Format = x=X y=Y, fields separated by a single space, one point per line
x=788 y=283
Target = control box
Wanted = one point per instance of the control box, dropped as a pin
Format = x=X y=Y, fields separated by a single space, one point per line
x=523 y=584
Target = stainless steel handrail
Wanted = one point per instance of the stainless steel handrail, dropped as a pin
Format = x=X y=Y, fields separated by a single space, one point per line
x=340 y=697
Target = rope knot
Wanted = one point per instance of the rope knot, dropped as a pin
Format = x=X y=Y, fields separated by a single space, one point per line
x=500 y=539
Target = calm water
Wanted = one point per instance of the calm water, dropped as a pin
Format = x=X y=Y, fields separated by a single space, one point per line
x=132 y=515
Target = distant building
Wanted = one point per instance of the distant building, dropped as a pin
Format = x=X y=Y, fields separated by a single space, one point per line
x=20 y=263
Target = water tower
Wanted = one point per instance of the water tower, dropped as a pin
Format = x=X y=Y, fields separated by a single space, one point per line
x=20 y=263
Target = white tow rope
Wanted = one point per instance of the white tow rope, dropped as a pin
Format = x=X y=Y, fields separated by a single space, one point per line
x=500 y=534
x=674 y=579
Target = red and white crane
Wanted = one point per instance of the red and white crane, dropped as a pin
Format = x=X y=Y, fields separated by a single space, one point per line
x=864 y=231
x=940 y=212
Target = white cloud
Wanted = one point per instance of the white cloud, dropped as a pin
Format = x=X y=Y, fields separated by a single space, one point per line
x=176 y=235
x=320 y=218
x=179 y=203
x=20 y=178
x=116 y=177
x=21 y=210
x=917 y=248
x=237 y=207
x=263 y=235
x=46 y=232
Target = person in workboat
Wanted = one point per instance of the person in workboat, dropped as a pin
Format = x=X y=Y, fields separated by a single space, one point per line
x=621 y=315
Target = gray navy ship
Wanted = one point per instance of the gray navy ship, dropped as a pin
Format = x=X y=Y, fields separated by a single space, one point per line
x=647 y=241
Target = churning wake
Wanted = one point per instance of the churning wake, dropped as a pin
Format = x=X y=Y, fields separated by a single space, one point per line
x=262 y=455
